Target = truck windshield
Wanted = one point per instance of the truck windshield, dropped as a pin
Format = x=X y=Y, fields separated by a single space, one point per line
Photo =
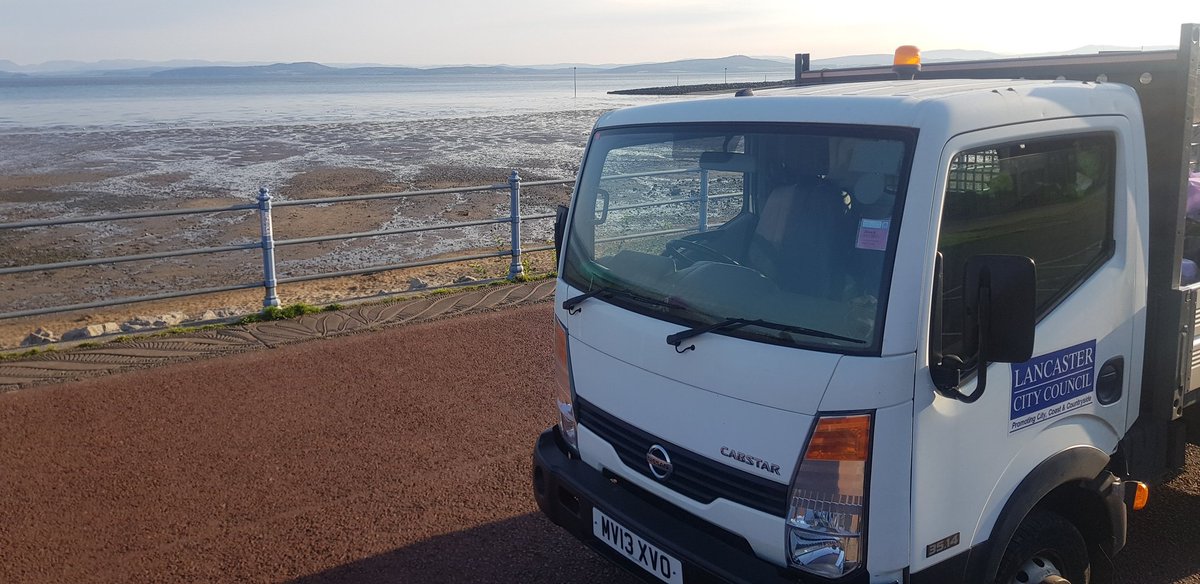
x=790 y=225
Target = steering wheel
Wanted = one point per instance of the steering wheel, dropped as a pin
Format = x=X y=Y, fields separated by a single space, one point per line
x=676 y=249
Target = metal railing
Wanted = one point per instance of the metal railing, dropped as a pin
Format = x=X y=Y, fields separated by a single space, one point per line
x=268 y=243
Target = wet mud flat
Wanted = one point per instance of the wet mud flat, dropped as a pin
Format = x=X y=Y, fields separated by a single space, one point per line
x=89 y=172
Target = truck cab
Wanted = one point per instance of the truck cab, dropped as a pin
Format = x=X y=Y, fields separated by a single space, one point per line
x=877 y=331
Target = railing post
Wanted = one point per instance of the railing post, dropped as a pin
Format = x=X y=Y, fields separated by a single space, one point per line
x=515 y=270
x=268 y=247
x=703 y=226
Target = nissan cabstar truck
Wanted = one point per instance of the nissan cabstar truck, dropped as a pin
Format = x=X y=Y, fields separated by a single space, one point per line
x=921 y=324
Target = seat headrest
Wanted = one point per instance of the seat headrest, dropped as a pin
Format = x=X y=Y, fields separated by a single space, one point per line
x=869 y=188
x=881 y=156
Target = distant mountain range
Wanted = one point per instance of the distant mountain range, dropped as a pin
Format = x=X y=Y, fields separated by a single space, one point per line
x=196 y=69
x=309 y=69
x=734 y=64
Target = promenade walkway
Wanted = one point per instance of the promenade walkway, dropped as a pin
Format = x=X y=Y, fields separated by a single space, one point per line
x=400 y=454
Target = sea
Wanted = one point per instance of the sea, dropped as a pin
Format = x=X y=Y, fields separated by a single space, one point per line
x=233 y=135
x=98 y=145
x=137 y=103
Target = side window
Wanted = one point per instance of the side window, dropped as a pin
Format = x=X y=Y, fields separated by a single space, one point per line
x=1051 y=200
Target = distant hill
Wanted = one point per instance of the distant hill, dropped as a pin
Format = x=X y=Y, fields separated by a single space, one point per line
x=1090 y=49
x=110 y=65
x=734 y=64
x=308 y=69
x=276 y=70
x=198 y=69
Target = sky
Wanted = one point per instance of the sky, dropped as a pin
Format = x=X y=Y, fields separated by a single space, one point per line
x=530 y=32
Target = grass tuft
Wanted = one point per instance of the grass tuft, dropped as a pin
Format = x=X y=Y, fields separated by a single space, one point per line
x=27 y=354
x=281 y=313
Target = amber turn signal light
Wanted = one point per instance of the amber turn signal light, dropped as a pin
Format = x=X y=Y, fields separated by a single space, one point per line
x=562 y=376
x=840 y=438
x=1141 y=496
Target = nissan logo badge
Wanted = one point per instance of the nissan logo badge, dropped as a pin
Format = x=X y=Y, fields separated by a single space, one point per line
x=659 y=461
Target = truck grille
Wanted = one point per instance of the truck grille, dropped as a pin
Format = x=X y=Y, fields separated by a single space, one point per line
x=694 y=476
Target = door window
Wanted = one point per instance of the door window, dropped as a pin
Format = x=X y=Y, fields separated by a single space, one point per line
x=1050 y=199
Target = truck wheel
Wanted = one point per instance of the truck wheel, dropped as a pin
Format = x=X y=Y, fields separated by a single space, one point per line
x=1046 y=549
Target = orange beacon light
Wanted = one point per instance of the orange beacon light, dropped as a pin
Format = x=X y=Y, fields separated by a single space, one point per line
x=907 y=61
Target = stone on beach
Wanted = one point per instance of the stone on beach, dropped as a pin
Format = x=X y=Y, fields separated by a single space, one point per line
x=139 y=323
x=217 y=314
x=39 y=337
x=91 y=331
x=169 y=319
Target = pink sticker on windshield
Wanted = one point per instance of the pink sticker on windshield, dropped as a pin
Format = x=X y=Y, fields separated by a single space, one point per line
x=873 y=234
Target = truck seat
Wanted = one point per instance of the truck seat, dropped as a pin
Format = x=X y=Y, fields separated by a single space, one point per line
x=797 y=242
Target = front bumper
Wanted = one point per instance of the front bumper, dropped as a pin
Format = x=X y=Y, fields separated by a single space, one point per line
x=567 y=489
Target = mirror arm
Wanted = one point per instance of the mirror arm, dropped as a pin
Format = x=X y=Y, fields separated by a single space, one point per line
x=948 y=374
x=560 y=228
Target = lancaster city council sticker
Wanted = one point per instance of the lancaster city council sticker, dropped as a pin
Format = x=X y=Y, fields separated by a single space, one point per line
x=1050 y=385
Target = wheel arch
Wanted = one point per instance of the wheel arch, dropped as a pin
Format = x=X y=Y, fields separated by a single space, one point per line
x=1074 y=483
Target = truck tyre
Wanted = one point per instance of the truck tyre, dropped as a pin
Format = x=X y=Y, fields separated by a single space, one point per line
x=1046 y=549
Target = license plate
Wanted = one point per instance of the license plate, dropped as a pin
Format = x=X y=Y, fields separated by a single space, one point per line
x=638 y=550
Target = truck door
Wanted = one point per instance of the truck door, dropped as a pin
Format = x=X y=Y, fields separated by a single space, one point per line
x=1061 y=193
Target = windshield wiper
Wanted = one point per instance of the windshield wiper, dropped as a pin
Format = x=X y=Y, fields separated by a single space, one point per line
x=571 y=303
x=733 y=323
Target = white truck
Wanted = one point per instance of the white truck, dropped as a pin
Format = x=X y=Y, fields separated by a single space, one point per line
x=869 y=329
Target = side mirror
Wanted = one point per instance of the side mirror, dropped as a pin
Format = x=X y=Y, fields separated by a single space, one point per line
x=999 y=300
x=1001 y=296
x=560 y=227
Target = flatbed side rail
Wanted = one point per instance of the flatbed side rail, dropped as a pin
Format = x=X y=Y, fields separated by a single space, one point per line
x=1078 y=67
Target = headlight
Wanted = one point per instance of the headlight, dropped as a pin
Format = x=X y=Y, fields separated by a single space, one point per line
x=563 y=396
x=825 y=521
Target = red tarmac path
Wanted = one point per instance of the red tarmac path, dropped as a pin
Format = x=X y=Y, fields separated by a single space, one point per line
x=399 y=455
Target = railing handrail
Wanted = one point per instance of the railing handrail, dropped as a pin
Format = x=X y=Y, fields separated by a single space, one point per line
x=251 y=206
x=400 y=231
x=268 y=243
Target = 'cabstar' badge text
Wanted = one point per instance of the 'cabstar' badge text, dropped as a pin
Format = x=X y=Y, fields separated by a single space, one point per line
x=750 y=460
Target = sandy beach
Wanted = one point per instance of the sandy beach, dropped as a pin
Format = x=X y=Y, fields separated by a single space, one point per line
x=87 y=173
